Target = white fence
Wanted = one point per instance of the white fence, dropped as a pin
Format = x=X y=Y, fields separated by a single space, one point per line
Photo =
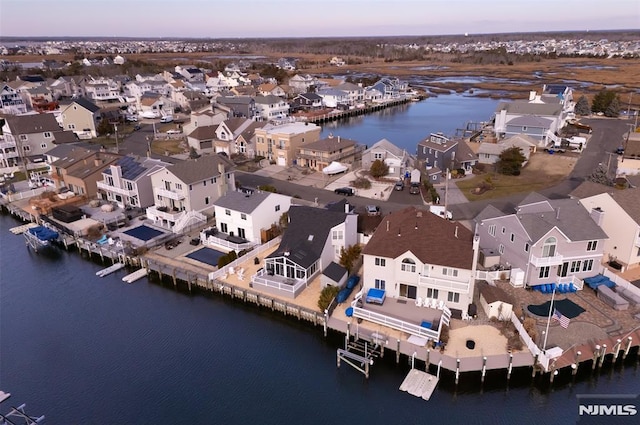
x=398 y=324
x=543 y=360
x=626 y=285
x=26 y=194
x=490 y=276
x=249 y=256
x=291 y=289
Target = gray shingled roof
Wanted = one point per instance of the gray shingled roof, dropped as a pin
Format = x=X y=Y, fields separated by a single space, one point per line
x=384 y=144
x=307 y=233
x=334 y=271
x=87 y=104
x=629 y=201
x=568 y=215
x=526 y=108
x=196 y=170
x=530 y=121
x=34 y=123
x=242 y=202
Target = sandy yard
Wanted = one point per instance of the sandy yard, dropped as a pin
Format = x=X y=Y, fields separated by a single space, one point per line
x=488 y=341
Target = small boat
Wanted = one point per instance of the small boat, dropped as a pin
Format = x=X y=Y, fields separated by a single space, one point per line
x=40 y=237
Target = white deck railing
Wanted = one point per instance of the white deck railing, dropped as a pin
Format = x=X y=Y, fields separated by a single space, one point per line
x=444 y=284
x=397 y=324
x=546 y=261
x=291 y=288
x=250 y=256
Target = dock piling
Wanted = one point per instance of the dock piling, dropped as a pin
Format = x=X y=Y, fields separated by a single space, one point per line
x=626 y=350
x=484 y=369
x=604 y=353
x=398 y=352
x=616 y=349
x=596 y=353
x=510 y=368
x=457 y=371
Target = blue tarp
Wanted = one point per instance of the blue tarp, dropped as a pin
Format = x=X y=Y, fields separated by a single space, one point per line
x=343 y=295
x=353 y=281
x=44 y=233
x=598 y=280
x=375 y=296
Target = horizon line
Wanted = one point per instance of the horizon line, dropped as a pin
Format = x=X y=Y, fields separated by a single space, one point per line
x=469 y=34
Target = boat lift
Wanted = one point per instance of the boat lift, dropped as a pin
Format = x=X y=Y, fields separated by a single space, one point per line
x=361 y=352
x=17 y=413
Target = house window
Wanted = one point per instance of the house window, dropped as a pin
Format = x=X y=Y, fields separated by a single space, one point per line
x=435 y=177
x=43 y=146
x=204 y=183
x=486 y=155
x=432 y=293
x=592 y=245
x=71 y=126
x=178 y=186
x=408 y=265
x=377 y=155
x=501 y=249
x=380 y=262
x=449 y=272
x=206 y=200
x=223 y=227
x=492 y=230
x=47 y=135
x=512 y=237
x=243 y=216
x=504 y=229
x=526 y=247
x=277 y=208
x=109 y=180
x=227 y=212
x=549 y=247
x=379 y=284
x=23 y=137
x=128 y=185
x=337 y=235
x=587 y=265
x=453 y=297
x=575 y=266
x=190 y=187
x=26 y=148
x=544 y=272
x=524 y=129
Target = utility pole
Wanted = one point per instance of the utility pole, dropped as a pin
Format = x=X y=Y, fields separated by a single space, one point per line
x=115 y=127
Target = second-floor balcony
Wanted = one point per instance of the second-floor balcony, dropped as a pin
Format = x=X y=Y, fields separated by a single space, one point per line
x=120 y=191
x=547 y=261
x=444 y=284
x=166 y=193
x=164 y=213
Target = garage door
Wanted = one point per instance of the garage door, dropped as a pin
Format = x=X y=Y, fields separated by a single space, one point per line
x=282 y=161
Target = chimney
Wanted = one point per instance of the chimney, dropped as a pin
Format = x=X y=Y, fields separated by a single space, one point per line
x=338 y=139
x=597 y=215
x=558 y=213
x=346 y=208
x=532 y=95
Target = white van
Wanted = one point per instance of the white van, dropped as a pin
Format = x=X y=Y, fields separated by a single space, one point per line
x=167 y=118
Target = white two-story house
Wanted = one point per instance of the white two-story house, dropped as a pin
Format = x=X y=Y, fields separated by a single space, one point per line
x=185 y=192
x=545 y=241
x=312 y=240
x=245 y=214
x=416 y=254
x=271 y=107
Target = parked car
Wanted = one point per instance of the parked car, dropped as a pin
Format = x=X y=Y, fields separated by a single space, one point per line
x=415 y=189
x=174 y=131
x=347 y=191
x=167 y=118
x=131 y=118
x=399 y=185
x=620 y=150
x=373 y=210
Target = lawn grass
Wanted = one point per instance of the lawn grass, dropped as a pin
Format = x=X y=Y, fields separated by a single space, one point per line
x=168 y=147
x=528 y=181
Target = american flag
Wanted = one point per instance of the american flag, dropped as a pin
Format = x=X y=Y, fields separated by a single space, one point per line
x=564 y=320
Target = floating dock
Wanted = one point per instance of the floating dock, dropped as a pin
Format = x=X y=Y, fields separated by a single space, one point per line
x=138 y=274
x=419 y=384
x=18 y=230
x=111 y=269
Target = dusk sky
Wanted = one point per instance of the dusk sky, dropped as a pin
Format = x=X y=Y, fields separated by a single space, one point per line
x=308 y=18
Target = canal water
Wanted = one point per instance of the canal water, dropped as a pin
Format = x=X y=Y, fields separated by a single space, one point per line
x=406 y=125
x=87 y=350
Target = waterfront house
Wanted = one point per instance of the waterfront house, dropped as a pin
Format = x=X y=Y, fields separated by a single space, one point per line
x=319 y=154
x=184 y=193
x=536 y=120
x=311 y=241
x=271 y=107
x=81 y=116
x=280 y=143
x=544 y=241
x=355 y=93
x=72 y=86
x=332 y=97
x=390 y=88
x=416 y=254
x=307 y=101
x=398 y=160
x=301 y=83
x=246 y=214
x=617 y=212
x=489 y=153
x=127 y=182
x=80 y=170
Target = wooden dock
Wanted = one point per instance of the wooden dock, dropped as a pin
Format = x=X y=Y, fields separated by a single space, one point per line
x=18 y=230
x=138 y=274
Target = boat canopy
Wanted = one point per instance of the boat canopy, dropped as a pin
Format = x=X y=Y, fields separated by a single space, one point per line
x=335 y=168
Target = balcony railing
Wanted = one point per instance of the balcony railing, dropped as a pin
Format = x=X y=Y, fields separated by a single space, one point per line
x=547 y=261
x=169 y=215
x=107 y=188
x=289 y=286
x=444 y=284
x=165 y=193
x=401 y=325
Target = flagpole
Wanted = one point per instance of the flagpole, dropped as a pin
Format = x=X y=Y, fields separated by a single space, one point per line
x=546 y=332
